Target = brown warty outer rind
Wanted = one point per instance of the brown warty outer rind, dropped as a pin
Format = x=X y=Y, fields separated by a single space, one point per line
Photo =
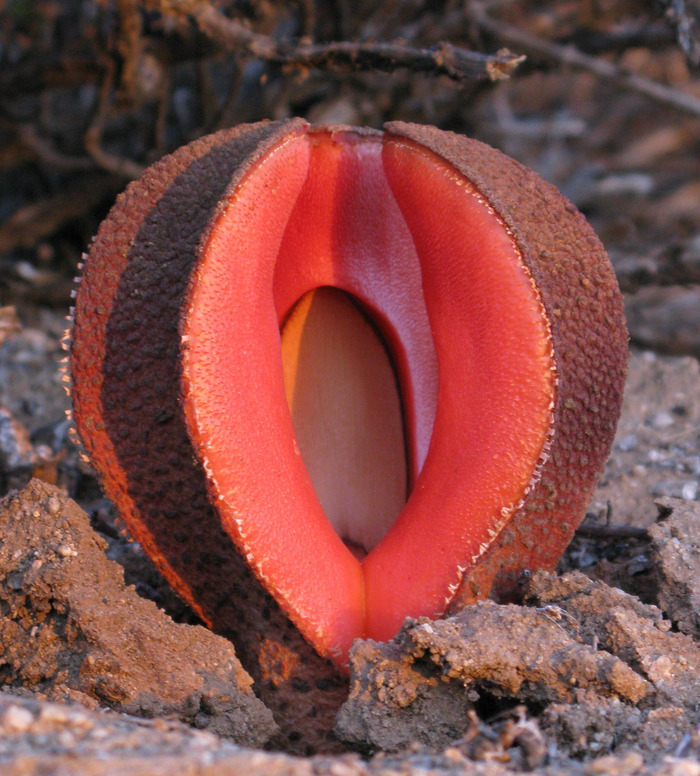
x=582 y=299
x=125 y=363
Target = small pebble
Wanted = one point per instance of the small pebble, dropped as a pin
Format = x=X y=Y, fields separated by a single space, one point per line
x=661 y=420
x=611 y=765
x=454 y=755
x=660 y=669
x=683 y=489
x=627 y=443
x=680 y=768
x=339 y=768
x=54 y=713
x=66 y=739
x=16 y=719
x=638 y=564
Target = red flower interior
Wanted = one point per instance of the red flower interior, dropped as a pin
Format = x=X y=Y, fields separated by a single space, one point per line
x=376 y=244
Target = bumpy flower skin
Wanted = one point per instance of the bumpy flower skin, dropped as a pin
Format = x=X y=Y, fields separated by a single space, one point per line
x=178 y=381
x=585 y=314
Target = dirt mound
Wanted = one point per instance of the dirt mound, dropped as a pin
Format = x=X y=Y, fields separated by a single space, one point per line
x=582 y=677
x=70 y=629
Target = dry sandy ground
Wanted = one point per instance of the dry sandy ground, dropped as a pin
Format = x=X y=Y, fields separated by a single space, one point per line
x=597 y=671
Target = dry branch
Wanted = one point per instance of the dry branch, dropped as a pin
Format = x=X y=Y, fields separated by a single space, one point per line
x=93 y=137
x=685 y=15
x=568 y=55
x=38 y=220
x=442 y=59
x=598 y=531
x=30 y=138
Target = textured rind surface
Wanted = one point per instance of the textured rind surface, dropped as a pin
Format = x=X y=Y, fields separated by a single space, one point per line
x=126 y=368
x=125 y=363
x=583 y=303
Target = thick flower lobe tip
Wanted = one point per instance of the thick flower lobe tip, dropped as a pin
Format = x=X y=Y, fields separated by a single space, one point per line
x=377 y=374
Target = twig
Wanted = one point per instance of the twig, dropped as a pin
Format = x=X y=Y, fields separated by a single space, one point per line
x=14 y=152
x=31 y=223
x=568 y=55
x=607 y=530
x=93 y=137
x=686 y=20
x=635 y=33
x=307 y=15
x=442 y=59
x=47 y=153
x=602 y=531
x=129 y=44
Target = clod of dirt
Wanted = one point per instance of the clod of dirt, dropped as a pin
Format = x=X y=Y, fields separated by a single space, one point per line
x=394 y=703
x=38 y=738
x=585 y=730
x=54 y=616
x=634 y=632
x=418 y=687
x=675 y=555
x=599 y=671
x=589 y=604
x=70 y=628
x=637 y=634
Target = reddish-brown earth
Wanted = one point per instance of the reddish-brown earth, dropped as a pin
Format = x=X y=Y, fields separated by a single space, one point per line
x=630 y=162
x=581 y=677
